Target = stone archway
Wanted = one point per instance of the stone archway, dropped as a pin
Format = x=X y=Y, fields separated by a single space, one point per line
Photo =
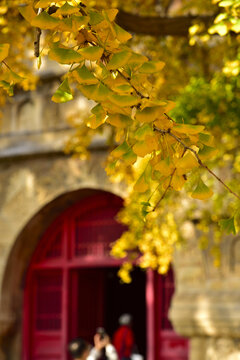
x=17 y=264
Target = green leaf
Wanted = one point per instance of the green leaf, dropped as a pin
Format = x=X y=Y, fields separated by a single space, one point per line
x=95 y=18
x=92 y=53
x=123 y=100
x=207 y=152
x=228 y=226
x=45 y=21
x=151 y=67
x=201 y=192
x=120 y=150
x=63 y=93
x=7 y=87
x=84 y=76
x=148 y=114
x=4 y=49
x=143 y=131
x=119 y=120
x=27 y=12
x=121 y=34
x=98 y=92
x=64 y=55
x=129 y=157
x=119 y=59
x=67 y=9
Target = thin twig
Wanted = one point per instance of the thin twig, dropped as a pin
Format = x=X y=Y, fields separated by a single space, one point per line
x=38 y=36
x=137 y=92
x=6 y=64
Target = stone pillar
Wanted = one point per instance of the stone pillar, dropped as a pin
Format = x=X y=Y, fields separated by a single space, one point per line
x=206 y=303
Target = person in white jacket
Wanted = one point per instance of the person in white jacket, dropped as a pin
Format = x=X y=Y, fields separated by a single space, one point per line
x=81 y=349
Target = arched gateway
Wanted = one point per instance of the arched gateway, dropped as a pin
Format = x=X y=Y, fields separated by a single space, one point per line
x=72 y=287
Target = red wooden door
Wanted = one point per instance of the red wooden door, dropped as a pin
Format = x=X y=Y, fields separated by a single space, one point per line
x=169 y=345
x=87 y=306
x=46 y=315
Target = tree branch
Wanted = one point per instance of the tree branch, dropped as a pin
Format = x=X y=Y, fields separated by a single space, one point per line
x=164 y=132
x=160 y=26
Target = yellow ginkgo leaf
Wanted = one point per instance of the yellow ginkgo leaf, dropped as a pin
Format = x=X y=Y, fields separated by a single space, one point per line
x=42 y=4
x=201 y=192
x=207 y=152
x=178 y=182
x=165 y=167
x=63 y=93
x=4 y=49
x=84 y=76
x=130 y=157
x=119 y=120
x=67 y=9
x=64 y=55
x=92 y=53
x=141 y=185
x=121 y=34
x=163 y=122
x=27 y=12
x=141 y=148
x=151 y=67
x=123 y=100
x=188 y=128
x=121 y=149
x=152 y=142
x=143 y=131
x=110 y=14
x=186 y=163
x=45 y=21
x=148 y=114
x=94 y=121
x=118 y=60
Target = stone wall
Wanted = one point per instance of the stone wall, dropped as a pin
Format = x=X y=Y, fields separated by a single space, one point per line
x=206 y=303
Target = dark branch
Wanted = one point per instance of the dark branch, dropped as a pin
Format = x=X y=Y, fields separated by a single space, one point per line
x=160 y=26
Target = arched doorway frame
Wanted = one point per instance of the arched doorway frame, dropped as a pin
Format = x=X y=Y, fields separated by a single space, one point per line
x=14 y=277
x=82 y=208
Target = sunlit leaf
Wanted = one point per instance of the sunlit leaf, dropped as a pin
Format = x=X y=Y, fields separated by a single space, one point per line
x=121 y=149
x=67 y=9
x=151 y=67
x=129 y=157
x=207 y=152
x=141 y=185
x=148 y=114
x=118 y=60
x=92 y=53
x=95 y=17
x=121 y=34
x=64 y=55
x=27 y=12
x=123 y=100
x=228 y=226
x=84 y=76
x=119 y=120
x=201 y=192
x=4 y=49
x=45 y=21
x=110 y=14
x=63 y=93
x=188 y=128
x=7 y=87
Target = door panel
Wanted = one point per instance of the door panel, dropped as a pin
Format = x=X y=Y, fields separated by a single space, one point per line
x=46 y=321
x=87 y=295
x=169 y=345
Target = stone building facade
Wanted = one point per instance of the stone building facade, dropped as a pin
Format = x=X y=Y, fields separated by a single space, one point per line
x=38 y=181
